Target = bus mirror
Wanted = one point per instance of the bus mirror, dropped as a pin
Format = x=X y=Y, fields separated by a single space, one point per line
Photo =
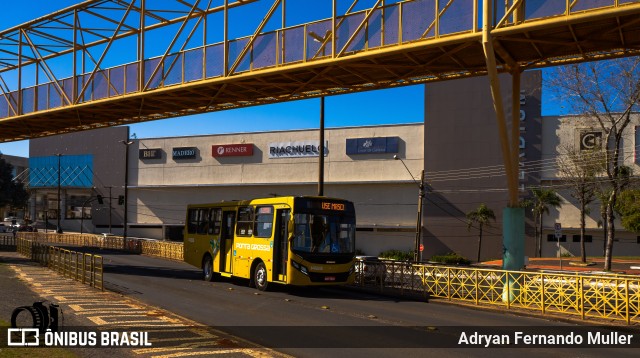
x=291 y=228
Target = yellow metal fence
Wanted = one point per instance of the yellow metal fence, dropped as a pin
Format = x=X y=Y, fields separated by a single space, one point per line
x=7 y=240
x=163 y=249
x=82 y=267
x=584 y=296
x=615 y=297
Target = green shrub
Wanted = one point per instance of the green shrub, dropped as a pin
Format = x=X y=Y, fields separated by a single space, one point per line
x=451 y=258
x=397 y=255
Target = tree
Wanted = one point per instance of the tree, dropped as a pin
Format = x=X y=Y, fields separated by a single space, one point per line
x=540 y=203
x=606 y=92
x=579 y=170
x=603 y=195
x=481 y=216
x=628 y=206
x=12 y=193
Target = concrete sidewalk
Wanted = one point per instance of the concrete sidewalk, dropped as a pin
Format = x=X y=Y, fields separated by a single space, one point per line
x=83 y=307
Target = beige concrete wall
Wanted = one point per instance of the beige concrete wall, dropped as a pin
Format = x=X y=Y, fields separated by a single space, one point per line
x=260 y=169
x=383 y=191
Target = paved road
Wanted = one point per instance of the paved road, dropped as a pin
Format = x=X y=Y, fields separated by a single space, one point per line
x=301 y=316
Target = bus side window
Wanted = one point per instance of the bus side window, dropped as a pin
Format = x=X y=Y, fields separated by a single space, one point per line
x=215 y=221
x=203 y=221
x=192 y=225
x=264 y=221
x=244 y=226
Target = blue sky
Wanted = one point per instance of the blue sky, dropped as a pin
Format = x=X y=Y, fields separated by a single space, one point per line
x=398 y=105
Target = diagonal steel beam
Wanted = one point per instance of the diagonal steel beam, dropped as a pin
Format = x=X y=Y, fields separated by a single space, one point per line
x=104 y=53
x=255 y=35
x=7 y=96
x=45 y=67
x=173 y=42
x=357 y=30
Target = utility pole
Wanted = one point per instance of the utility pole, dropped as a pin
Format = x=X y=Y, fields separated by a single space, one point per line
x=59 y=229
x=417 y=254
x=126 y=185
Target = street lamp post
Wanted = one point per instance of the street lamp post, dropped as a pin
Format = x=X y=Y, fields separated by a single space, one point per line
x=321 y=151
x=417 y=254
x=59 y=228
x=126 y=185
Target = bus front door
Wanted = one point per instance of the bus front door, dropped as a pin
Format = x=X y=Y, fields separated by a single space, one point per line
x=226 y=240
x=280 y=249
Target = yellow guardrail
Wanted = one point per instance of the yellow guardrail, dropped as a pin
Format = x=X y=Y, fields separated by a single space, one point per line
x=82 y=267
x=584 y=296
x=163 y=249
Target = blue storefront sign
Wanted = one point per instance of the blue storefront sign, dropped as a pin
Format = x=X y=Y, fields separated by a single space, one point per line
x=75 y=171
x=184 y=153
x=372 y=145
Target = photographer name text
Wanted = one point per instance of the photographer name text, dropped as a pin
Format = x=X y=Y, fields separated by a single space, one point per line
x=475 y=339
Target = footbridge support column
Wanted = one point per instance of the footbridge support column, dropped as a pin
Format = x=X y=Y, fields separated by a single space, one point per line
x=513 y=214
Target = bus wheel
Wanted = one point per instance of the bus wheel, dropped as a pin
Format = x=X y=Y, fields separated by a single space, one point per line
x=260 y=277
x=207 y=269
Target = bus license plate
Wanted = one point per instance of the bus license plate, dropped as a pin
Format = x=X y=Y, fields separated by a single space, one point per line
x=329 y=278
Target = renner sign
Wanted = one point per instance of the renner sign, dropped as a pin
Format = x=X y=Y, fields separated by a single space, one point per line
x=232 y=150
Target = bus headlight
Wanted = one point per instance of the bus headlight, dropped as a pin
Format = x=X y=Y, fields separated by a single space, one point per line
x=300 y=268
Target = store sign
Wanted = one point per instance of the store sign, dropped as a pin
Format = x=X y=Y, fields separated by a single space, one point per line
x=590 y=140
x=232 y=150
x=185 y=153
x=310 y=148
x=150 y=153
x=523 y=143
x=372 y=145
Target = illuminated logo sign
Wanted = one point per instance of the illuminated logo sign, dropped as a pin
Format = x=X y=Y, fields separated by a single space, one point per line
x=150 y=153
x=296 y=149
x=232 y=150
x=590 y=140
x=372 y=145
x=185 y=153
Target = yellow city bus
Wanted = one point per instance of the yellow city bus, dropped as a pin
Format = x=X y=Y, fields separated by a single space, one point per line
x=300 y=241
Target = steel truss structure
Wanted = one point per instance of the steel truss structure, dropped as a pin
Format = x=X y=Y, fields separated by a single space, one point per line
x=111 y=62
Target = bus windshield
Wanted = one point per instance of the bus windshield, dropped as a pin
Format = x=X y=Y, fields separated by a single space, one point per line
x=319 y=233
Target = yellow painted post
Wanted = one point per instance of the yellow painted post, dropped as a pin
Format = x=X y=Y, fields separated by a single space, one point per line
x=92 y=271
x=423 y=278
x=400 y=15
x=581 y=293
x=476 y=286
x=508 y=292
x=449 y=283
x=542 y=292
x=626 y=299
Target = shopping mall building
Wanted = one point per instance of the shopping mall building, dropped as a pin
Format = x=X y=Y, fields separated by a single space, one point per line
x=457 y=146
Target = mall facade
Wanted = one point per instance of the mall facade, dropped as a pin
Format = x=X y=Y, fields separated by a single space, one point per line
x=457 y=146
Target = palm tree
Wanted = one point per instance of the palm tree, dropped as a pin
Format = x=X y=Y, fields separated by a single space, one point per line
x=541 y=201
x=481 y=216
